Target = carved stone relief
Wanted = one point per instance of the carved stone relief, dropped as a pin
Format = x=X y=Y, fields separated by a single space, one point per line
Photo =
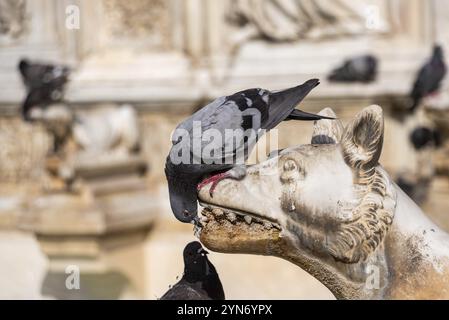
x=12 y=18
x=137 y=20
x=26 y=145
x=291 y=20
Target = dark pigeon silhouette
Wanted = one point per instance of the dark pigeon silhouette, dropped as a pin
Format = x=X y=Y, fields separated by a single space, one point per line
x=359 y=69
x=422 y=137
x=252 y=109
x=200 y=280
x=44 y=84
x=429 y=78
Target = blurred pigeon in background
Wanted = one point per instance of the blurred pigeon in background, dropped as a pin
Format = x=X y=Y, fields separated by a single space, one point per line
x=359 y=69
x=254 y=110
x=200 y=280
x=44 y=84
x=429 y=78
x=422 y=137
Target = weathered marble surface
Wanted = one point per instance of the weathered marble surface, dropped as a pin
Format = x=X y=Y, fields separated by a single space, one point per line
x=22 y=265
x=333 y=210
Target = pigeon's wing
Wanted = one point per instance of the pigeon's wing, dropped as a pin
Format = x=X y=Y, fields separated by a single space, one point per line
x=422 y=84
x=212 y=284
x=222 y=132
x=215 y=133
x=34 y=74
x=37 y=75
x=34 y=97
x=185 y=291
x=438 y=75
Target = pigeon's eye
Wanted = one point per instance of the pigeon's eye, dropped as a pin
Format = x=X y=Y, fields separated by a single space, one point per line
x=186 y=213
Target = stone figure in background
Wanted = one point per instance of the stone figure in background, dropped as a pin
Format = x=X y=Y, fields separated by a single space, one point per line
x=109 y=130
x=12 y=18
x=83 y=138
x=291 y=20
x=80 y=138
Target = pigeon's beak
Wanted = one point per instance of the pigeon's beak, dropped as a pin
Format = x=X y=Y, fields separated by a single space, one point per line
x=197 y=221
x=202 y=251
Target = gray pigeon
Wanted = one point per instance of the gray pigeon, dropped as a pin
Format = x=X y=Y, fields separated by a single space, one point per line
x=429 y=78
x=359 y=69
x=44 y=84
x=200 y=280
x=253 y=110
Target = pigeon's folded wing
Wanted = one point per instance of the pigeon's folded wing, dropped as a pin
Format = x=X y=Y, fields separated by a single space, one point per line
x=185 y=291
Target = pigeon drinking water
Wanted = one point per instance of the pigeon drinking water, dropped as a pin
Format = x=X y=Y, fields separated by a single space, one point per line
x=200 y=280
x=254 y=110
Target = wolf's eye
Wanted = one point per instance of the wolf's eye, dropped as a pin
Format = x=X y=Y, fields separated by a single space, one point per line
x=290 y=165
x=291 y=171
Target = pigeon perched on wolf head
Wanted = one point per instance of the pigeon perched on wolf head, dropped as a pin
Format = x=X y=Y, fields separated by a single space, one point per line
x=253 y=110
x=429 y=78
x=44 y=84
x=200 y=280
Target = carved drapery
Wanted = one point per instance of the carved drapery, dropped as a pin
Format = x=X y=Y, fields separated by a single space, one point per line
x=122 y=41
x=291 y=20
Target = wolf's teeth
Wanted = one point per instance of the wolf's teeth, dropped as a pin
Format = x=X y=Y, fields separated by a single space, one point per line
x=217 y=212
x=231 y=216
x=267 y=225
x=248 y=219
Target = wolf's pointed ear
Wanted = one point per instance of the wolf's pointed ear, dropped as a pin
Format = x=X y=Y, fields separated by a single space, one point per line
x=327 y=131
x=363 y=138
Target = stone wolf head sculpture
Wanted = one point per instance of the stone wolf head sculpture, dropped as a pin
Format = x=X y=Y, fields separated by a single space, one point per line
x=328 y=207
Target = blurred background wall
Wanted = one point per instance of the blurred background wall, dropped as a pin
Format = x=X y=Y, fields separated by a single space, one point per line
x=167 y=58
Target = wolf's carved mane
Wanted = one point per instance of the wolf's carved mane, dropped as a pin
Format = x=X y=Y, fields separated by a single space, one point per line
x=353 y=241
x=350 y=241
x=356 y=240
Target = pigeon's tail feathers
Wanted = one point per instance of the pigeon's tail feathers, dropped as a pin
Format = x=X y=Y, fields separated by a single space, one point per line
x=306 y=116
x=282 y=103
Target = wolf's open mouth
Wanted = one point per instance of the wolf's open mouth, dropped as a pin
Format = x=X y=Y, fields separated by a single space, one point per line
x=220 y=215
x=229 y=230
